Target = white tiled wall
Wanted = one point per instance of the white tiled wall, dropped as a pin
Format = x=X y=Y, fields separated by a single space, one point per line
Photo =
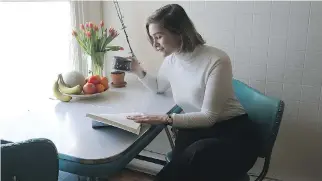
x=275 y=47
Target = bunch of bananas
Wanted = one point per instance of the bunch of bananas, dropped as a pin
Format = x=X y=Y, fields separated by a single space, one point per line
x=61 y=90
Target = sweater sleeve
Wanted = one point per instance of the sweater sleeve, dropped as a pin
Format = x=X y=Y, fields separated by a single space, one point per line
x=160 y=83
x=217 y=93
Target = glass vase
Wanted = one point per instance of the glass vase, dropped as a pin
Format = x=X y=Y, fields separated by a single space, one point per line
x=97 y=63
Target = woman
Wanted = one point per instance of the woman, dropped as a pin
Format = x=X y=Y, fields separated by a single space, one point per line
x=216 y=140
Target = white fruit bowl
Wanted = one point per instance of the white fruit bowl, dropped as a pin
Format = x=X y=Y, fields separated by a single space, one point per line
x=85 y=96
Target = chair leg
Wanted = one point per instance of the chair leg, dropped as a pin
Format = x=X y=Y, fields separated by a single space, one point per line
x=264 y=170
x=169 y=137
x=96 y=179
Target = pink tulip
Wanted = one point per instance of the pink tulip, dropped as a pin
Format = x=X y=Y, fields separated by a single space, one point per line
x=113 y=33
x=110 y=30
x=82 y=27
x=88 y=34
x=121 y=48
x=101 y=23
x=91 y=25
x=86 y=24
x=74 y=33
x=95 y=27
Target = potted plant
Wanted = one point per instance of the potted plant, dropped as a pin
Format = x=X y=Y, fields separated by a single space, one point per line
x=95 y=42
x=118 y=78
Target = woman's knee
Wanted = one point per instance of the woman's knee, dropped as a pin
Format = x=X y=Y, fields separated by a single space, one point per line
x=201 y=149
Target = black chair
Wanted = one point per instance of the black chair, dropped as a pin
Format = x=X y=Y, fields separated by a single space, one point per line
x=30 y=160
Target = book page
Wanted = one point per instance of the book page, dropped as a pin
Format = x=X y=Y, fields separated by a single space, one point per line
x=118 y=120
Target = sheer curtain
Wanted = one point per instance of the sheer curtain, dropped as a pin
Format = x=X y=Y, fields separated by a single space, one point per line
x=81 y=12
x=36 y=45
x=77 y=14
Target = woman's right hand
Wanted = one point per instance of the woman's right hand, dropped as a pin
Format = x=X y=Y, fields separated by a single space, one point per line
x=136 y=67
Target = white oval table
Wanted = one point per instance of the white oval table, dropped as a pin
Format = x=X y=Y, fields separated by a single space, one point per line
x=83 y=148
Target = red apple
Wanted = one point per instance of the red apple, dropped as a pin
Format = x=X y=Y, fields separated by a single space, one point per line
x=89 y=88
x=95 y=79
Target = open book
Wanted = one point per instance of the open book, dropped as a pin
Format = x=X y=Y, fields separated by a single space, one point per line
x=118 y=120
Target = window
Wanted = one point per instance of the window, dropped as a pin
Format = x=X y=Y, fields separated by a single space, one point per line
x=34 y=48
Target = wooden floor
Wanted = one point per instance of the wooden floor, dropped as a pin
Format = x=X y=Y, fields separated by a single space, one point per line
x=125 y=175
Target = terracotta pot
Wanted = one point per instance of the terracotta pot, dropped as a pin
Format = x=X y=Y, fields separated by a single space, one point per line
x=117 y=77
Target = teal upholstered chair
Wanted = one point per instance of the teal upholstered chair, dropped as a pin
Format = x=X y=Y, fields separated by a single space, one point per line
x=30 y=160
x=267 y=112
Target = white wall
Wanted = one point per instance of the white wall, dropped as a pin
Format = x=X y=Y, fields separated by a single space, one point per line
x=275 y=47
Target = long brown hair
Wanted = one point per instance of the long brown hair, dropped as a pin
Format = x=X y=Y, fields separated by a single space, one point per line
x=175 y=19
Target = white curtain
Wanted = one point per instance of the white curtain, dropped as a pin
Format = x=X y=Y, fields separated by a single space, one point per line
x=82 y=11
x=78 y=13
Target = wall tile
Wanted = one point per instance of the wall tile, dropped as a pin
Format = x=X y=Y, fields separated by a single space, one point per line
x=291 y=109
x=296 y=43
x=224 y=38
x=261 y=24
x=244 y=23
x=308 y=112
x=314 y=43
x=313 y=60
x=227 y=23
x=245 y=7
x=277 y=43
x=219 y=7
x=311 y=93
x=280 y=7
x=320 y=112
x=259 y=56
x=262 y=7
x=242 y=56
x=242 y=40
x=298 y=25
x=242 y=72
x=321 y=95
x=316 y=7
x=279 y=24
x=312 y=77
x=275 y=73
x=197 y=7
x=293 y=75
x=259 y=41
x=274 y=89
x=276 y=57
x=315 y=25
x=292 y=92
x=301 y=8
x=257 y=72
x=277 y=50
x=295 y=59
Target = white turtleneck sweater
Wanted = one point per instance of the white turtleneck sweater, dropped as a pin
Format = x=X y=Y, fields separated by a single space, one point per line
x=201 y=84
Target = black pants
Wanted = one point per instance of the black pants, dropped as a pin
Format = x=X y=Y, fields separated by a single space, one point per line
x=223 y=152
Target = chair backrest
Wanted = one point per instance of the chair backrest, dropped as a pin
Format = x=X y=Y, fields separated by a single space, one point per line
x=29 y=160
x=263 y=110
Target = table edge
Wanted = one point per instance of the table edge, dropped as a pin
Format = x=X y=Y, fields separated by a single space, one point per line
x=154 y=129
x=151 y=130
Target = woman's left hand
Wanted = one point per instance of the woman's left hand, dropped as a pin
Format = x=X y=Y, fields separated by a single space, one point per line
x=149 y=119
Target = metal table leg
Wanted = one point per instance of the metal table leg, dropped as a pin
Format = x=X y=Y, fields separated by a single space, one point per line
x=169 y=137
